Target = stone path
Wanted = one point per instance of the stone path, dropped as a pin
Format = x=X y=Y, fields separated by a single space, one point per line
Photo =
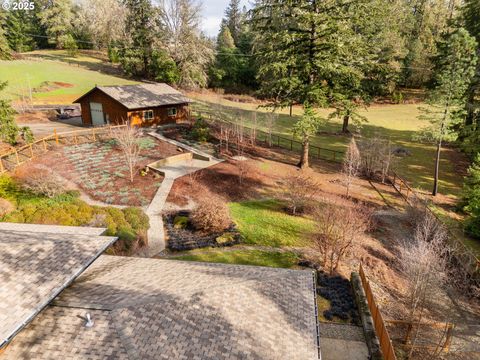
x=156 y=233
x=342 y=342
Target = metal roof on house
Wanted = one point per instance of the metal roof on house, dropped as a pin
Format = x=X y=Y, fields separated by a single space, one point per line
x=147 y=95
x=36 y=263
x=167 y=309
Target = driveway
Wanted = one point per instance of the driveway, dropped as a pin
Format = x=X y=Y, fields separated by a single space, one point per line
x=46 y=128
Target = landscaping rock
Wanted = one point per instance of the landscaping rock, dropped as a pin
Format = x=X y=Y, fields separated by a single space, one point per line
x=338 y=291
x=187 y=238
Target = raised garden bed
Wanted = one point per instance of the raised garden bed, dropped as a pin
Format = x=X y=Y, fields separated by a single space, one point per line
x=183 y=236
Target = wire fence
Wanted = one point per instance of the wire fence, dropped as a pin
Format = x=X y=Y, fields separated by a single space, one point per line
x=271 y=139
x=465 y=258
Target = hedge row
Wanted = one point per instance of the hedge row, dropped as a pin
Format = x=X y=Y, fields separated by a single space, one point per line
x=129 y=224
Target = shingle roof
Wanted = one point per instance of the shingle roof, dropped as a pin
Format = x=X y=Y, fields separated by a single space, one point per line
x=166 y=309
x=145 y=95
x=36 y=263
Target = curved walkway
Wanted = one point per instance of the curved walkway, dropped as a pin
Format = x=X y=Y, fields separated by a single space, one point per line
x=156 y=234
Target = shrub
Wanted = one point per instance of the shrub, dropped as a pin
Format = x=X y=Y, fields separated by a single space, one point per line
x=211 y=215
x=5 y=207
x=299 y=192
x=200 y=130
x=180 y=222
x=40 y=180
x=130 y=225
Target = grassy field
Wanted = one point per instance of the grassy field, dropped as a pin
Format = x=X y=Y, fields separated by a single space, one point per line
x=263 y=222
x=77 y=75
x=242 y=257
x=398 y=123
x=54 y=77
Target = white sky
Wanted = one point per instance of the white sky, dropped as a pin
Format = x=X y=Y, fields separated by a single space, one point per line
x=213 y=11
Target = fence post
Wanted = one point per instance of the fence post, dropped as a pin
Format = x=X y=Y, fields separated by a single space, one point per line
x=2 y=169
x=18 y=159
x=56 y=136
x=44 y=144
x=448 y=340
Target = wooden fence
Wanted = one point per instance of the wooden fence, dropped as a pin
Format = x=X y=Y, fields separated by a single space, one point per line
x=272 y=139
x=464 y=256
x=378 y=322
x=15 y=157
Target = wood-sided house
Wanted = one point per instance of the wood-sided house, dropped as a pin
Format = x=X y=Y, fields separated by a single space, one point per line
x=147 y=104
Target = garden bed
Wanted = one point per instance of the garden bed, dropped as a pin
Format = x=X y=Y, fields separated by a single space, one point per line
x=100 y=170
x=183 y=236
x=336 y=301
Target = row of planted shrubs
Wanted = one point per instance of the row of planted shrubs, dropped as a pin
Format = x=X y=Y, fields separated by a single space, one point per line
x=26 y=204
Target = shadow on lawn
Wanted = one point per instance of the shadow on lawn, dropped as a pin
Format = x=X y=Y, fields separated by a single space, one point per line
x=417 y=168
x=102 y=66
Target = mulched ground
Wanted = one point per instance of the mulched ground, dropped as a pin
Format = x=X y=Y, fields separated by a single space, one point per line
x=100 y=170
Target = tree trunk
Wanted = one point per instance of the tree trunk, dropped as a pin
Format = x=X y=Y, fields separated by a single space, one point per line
x=437 y=168
x=303 y=164
x=346 y=119
x=439 y=150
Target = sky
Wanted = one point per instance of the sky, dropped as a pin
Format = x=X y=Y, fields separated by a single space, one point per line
x=213 y=11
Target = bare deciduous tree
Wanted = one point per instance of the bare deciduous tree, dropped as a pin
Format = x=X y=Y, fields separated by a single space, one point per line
x=271 y=119
x=338 y=227
x=376 y=157
x=127 y=139
x=351 y=164
x=424 y=259
x=300 y=190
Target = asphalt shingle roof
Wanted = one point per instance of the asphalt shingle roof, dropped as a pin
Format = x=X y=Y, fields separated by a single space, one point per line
x=36 y=263
x=166 y=309
x=145 y=95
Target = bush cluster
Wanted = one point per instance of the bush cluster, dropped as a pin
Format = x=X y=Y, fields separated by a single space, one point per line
x=41 y=181
x=200 y=131
x=130 y=225
x=211 y=215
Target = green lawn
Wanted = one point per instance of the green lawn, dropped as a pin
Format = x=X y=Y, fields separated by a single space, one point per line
x=78 y=75
x=396 y=122
x=263 y=222
x=242 y=257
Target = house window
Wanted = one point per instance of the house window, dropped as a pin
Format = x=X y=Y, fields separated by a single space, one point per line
x=148 y=115
x=172 y=111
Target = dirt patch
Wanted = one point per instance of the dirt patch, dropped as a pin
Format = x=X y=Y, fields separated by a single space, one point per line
x=100 y=170
x=35 y=117
x=48 y=86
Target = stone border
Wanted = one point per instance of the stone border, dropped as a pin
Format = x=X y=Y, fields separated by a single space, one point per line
x=366 y=317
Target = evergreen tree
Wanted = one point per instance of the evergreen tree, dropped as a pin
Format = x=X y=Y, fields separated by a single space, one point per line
x=306 y=127
x=57 y=16
x=228 y=62
x=454 y=71
x=233 y=20
x=20 y=25
x=4 y=47
x=471 y=197
x=471 y=20
x=137 y=53
x=9 y=130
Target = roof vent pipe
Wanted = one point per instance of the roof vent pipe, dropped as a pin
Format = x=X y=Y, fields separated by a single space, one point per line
x=89 y=322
